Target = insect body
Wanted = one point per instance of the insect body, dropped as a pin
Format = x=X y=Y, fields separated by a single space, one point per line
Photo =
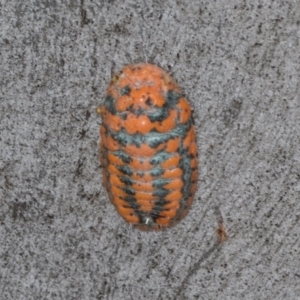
x=148 y=147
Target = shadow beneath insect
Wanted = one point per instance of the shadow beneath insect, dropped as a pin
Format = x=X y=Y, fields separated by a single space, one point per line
x=195 y=268
x=222 y=236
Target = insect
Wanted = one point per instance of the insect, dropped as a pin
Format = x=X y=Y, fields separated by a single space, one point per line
x=221 y=230
x=148 y=147
x=222 y=233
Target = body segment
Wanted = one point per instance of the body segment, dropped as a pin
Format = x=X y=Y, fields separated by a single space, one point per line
x=148 y=148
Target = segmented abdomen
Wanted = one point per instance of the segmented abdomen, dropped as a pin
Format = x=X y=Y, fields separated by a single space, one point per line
x=148 y=148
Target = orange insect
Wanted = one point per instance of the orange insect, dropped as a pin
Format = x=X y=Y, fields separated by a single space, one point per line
x=148 y=147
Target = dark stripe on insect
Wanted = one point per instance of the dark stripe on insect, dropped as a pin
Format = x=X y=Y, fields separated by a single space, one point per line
x=142 y=215
x=146 y=217
x=161 y=113
x=157 y=183
x=126 y=180
x=158 y=208
x=110 y=104
x=125 y=170
x=157 y=171
x=122 y=155
x=160 y=157
x=125 y=90
x=105 y=164
x=160 y=182
x=156 y=159
x=153 y=139
x=155 y=114
x=103 y=157
x=131 y=202
x=160 y=192
x=128 y=190
x=184 y=165
x=149 y=217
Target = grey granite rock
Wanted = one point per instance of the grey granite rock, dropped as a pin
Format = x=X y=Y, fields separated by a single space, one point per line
x=239 y=64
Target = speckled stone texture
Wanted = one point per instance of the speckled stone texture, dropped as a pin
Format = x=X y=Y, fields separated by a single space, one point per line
x=238 y=63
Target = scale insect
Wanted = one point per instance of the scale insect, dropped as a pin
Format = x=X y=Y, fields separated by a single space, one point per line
x=148 y=147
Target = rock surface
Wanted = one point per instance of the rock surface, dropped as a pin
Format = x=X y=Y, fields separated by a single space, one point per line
x=238 y=63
